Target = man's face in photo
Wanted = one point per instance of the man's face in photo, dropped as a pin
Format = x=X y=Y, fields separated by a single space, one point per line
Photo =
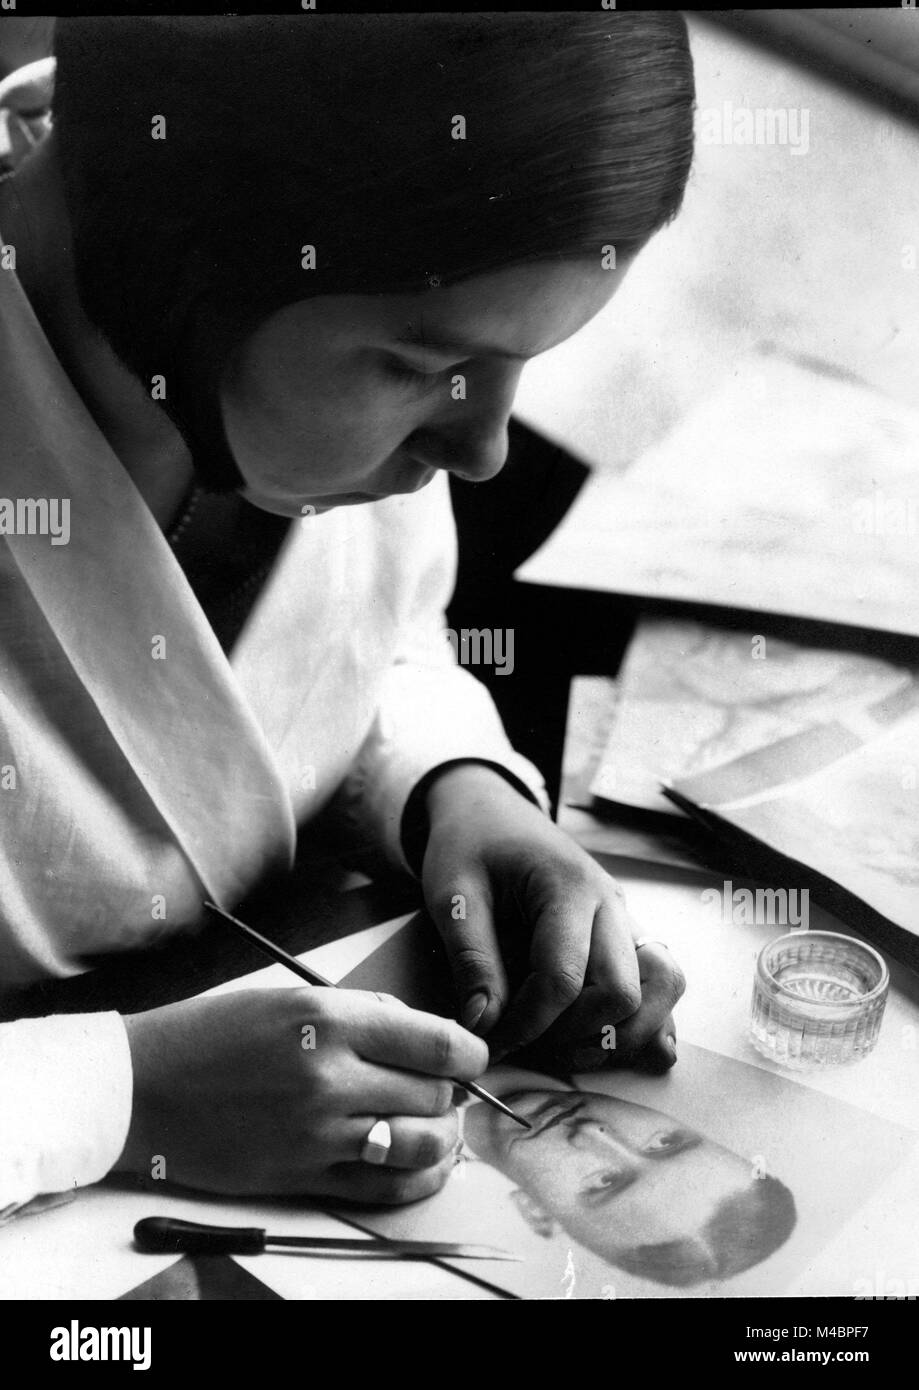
x=614 y=1175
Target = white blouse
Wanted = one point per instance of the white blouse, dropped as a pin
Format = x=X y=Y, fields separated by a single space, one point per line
x=141 y=769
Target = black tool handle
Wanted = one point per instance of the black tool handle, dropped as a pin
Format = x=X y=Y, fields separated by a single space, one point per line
x=164 y=1235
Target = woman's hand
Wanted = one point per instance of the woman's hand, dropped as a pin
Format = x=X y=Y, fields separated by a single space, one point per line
x=237 y=1095
x=540 y=943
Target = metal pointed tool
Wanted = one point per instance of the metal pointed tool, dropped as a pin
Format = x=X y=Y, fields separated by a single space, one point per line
x=166 y=1235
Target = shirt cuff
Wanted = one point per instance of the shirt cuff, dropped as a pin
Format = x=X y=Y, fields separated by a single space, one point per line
x=65 y=1099
x=415 y=826
x=431 y=718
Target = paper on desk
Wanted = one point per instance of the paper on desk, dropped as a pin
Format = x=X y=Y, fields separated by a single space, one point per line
x=840 y=799
x=598 y=827
x=647 y=1161
x=690 y=697
x=85 y=1251
x=792 y=490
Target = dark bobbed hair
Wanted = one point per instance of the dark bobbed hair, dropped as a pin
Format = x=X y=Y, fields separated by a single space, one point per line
x=746 y=1228
x=335 y=131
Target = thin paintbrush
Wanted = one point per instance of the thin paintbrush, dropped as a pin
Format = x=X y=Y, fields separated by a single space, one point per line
x=312 y=977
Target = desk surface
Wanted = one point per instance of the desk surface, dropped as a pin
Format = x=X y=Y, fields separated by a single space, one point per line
x=83 y=1250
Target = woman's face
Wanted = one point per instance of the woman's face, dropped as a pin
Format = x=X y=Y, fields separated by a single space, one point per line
x=343 y=399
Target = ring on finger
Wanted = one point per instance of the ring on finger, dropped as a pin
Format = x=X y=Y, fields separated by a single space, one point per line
x=377 y=1145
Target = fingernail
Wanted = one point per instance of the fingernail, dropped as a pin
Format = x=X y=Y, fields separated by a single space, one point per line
x=474 y=1008
x=672 y=1044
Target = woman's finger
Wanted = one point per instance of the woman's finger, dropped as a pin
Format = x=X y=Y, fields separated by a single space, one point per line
x=559 y=952
x=416 y=1143
x=464 y=918
x=364 y=1182
x=613 y=985
x=610 y=989
x=387 y=1091
x=662 y=985
x=414 y=1041
x=659 y=1052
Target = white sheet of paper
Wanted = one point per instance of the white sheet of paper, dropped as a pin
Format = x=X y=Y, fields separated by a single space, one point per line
x=85 y=1251
x=755 y=1121
x=690 y=696
x=792 y=490
x=741 y=1127
x=839 y=798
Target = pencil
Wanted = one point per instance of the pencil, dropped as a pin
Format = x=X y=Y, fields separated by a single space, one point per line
x=313 y=977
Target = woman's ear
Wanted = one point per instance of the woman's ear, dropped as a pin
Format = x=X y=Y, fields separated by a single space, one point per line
x=536 y=1217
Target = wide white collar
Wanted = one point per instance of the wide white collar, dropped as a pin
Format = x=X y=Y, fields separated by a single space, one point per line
x=183 y=722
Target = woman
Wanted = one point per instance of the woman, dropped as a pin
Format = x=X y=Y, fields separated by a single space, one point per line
x=275 y=279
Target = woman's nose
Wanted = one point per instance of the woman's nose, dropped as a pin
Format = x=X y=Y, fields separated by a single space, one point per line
x=469 y=436
x=474 y=454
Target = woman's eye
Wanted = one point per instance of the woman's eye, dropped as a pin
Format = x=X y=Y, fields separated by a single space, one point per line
x=401 y=371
